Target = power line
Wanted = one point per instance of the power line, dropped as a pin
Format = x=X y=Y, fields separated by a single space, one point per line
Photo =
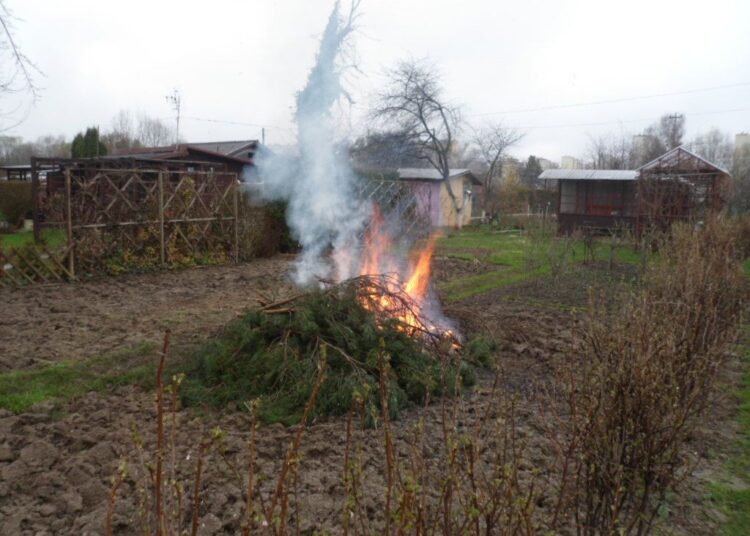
x=532 y=127
x=240 y=123
x=623 y=121
x=613 y=101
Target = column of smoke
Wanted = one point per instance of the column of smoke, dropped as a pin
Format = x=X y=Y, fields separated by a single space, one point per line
x=323 y=210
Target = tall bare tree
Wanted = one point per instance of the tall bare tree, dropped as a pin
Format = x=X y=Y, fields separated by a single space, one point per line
x=17 y=72
x=491 y=141
x=413 y=104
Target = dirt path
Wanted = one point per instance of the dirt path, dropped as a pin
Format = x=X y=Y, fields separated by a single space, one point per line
x=84 y=320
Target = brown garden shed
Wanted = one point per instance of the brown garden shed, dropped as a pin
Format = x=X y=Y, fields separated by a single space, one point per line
x=679 y=185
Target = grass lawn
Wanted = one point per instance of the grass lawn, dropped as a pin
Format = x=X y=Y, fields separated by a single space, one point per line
x=21 y=389
x=519 y=257
x=53 y=237
x=733 y=498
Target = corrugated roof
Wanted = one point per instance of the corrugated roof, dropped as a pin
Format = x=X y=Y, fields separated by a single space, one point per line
x=432 y=174
x=229 y=148
x=590 y=174
x=171 y=152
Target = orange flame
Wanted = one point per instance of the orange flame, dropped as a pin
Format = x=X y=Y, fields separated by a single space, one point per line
x=378 y=259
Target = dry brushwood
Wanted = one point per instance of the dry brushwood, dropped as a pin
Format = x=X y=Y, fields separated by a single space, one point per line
x=385 y=296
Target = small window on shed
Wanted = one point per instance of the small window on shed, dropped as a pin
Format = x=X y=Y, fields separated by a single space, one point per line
x=567 y=197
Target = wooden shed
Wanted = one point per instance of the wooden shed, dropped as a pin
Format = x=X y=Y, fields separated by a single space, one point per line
x=432 y=188
x=679 y=185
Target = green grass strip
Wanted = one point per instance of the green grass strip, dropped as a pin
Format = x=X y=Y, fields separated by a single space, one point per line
x=53 y=237
x=466 y=287
x=733 y=499
x=21 y=389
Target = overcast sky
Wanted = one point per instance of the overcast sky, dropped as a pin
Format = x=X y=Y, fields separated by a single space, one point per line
x=242 y=62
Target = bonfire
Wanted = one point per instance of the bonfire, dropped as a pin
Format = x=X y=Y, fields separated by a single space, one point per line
x=390 y=290
x=385 y=310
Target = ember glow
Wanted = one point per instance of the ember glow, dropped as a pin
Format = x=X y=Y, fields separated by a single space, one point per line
x=403 y=292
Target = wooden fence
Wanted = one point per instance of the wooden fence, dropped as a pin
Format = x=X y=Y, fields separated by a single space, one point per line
x=37 y=264
x=400 y=202
x=116 y=220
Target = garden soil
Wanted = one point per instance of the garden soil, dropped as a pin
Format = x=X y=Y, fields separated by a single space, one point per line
x=57 y=460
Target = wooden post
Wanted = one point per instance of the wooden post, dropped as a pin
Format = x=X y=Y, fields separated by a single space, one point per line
x=236 y=221
x=162 y=245
x=35 y=200
x=69 y=226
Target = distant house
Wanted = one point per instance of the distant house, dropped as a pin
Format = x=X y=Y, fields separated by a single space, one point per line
x=432 y=193
x=15 y=172
x=234 y=156
x=679 y=185
x=241 y=149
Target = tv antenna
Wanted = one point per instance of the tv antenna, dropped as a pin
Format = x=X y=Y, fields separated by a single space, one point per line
x=176 y=102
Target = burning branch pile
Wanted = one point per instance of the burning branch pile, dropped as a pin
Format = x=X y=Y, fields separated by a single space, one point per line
x=387 y=298
x=272 y=353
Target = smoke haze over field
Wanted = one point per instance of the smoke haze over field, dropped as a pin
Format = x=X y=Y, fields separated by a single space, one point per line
x=318 y=185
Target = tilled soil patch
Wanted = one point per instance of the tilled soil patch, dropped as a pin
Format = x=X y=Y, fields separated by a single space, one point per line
x=55 y=474
x=57 y=461
x=82 y=320
x=450 y=268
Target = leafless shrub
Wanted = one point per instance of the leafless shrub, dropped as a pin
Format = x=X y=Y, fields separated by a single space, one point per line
x=545 y=249
x=646 y=374
x=468 y=482
x=159 y=483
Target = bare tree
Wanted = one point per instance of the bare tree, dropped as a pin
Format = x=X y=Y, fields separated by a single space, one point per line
x=154 y=132
x=17 y=72
x=383 y=151
x=413 y=105
x=671 y=130
x=123 y=132
x=646 y=147
x=715 y=146
x=741 y=177
x=15 y=150
x=491 y=141
x=611 y=151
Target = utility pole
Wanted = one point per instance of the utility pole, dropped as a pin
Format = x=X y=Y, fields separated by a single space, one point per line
x=673 y=132
x=176 y=102
x=263 y=135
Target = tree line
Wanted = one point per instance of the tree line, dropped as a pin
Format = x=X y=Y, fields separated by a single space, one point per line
x=126 y=131
x=415 y=125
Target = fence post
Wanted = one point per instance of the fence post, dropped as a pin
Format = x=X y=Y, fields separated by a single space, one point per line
x=69 y=226
x=236 y=221
x=35 y=199
x=162 y=247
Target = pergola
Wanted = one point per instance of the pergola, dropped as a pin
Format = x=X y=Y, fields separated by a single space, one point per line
x=679 y=185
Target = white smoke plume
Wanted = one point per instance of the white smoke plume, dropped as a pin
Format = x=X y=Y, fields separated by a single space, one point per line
x=323 y=212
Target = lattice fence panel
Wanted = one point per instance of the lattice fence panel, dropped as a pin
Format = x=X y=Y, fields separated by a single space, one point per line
x=402 y=204
x=137 y=219
x=31 y=265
